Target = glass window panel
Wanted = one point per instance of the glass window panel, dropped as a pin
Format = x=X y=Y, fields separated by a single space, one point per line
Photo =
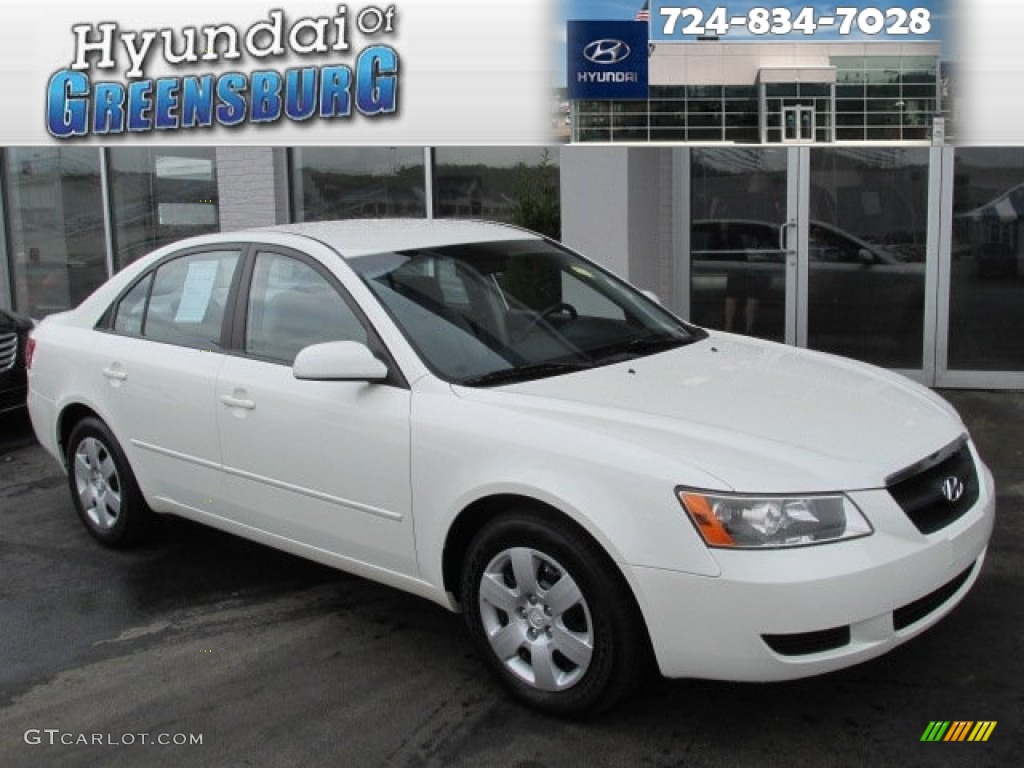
x=782 y=90
x=519 y=185
x=160 y=195
x=882 y=76
x=629 y=134
x=920 y=63
x=815 y=89
x=868 y=228
x=357 y=182
x=668 y=134
x=674 y=92
x=55 y=226
x=668 y=120
x=737 y=105
x=131 y=308
x=703 y=105
x=705 y=120
x=291 y=306
x=740 y=92
x=986 y=304
x=743 y=134
x=704 y=134
x=704 y=91
x=593 y=134
x=737 y=279
x=186 y=305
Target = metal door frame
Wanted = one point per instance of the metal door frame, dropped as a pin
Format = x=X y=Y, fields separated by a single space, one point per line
x=797 y=110
x=795 y=242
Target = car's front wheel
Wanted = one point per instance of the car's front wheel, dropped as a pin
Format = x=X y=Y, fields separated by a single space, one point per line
x=551 y=615
x=103 y=488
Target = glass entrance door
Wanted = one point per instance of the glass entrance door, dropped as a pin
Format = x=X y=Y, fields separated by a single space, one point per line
x=822 y=247
x=797 y=124
x=742 y=240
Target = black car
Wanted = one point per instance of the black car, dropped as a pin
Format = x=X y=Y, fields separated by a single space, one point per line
x=13 y=335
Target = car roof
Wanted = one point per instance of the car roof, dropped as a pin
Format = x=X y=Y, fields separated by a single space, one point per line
x=358 y=237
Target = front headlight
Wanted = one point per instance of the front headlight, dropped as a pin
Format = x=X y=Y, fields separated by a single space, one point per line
x=739 y=522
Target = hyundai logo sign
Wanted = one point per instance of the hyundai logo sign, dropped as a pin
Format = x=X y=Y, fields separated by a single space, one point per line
x=607 y=59
x=952 y=489
x=606 y=51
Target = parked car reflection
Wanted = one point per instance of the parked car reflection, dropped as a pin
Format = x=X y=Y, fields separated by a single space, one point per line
x=864 y=299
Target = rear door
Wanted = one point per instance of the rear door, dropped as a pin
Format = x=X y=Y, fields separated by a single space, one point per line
x=159 y=361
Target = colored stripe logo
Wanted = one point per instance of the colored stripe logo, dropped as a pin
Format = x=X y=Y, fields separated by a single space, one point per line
x=958 y=730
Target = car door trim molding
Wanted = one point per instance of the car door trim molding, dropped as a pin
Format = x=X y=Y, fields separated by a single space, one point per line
x=175 y=454
x=319 y=495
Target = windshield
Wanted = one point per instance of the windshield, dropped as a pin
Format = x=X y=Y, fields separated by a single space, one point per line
x=491 y=313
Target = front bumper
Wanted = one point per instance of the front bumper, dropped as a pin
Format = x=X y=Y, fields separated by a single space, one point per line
x=784 y=614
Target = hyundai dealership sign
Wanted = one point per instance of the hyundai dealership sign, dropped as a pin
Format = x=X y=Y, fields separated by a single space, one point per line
x=607 y=59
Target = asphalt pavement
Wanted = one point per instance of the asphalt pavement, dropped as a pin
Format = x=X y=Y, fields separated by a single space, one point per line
x=238 y=655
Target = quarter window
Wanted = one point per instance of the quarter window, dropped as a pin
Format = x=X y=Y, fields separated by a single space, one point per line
x=292 y=306
x=132 y=307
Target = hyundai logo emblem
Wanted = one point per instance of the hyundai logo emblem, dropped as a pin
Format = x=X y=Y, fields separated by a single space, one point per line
x=952 y=489
x=606 y=51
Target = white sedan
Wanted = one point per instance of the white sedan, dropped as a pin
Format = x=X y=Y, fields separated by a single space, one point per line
x=477 y=415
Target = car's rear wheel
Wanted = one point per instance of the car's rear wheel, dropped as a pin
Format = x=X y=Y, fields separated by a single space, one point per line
x=103 y=488
x=551 y=615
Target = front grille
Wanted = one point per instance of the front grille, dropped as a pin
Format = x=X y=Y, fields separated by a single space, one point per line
x=804 y=643
x=8 y=350
x=917 y=610
x=919 y=489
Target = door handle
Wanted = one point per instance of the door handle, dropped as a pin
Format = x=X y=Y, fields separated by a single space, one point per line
x=784 y=235
x=238 y=402
x=115 y=374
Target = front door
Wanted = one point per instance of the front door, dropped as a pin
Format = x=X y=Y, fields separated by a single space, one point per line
x=324 y=464
x=797 y=124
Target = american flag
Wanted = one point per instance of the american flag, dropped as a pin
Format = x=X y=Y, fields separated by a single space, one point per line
x=644 y=14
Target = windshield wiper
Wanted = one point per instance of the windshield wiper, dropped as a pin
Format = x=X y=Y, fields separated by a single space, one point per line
x=638 y=347
x=524 y=373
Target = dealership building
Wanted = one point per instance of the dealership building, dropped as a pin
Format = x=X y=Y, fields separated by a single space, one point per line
x=905 y=254
x=775 y=93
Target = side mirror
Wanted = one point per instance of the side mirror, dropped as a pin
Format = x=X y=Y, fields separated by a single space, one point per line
x=865 y=257
x=338 y=361
x=652 y=296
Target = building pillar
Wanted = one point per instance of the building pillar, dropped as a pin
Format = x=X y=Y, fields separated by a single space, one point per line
x=252 y=184
x=618 y=208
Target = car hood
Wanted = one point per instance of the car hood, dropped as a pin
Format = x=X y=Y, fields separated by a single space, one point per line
x=758 y=416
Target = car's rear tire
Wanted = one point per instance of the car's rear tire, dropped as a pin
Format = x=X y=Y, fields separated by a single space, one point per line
x=103 y=487
x=552 y=616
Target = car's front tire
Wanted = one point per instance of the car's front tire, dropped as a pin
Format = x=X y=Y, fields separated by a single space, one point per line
x=103 y=487
x=551 y=615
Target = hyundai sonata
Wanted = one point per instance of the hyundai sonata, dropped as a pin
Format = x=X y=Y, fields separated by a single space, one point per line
x=477 y=415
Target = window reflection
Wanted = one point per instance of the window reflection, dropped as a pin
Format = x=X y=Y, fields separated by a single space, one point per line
x=159 y=196
x=518 y=185
x=867 y=232
x=737 y=267
x=357 y=183
x=986 y=314
x=55 y=227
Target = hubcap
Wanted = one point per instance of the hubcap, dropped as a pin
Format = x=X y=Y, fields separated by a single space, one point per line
x=97 y=483
x=536 y=619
